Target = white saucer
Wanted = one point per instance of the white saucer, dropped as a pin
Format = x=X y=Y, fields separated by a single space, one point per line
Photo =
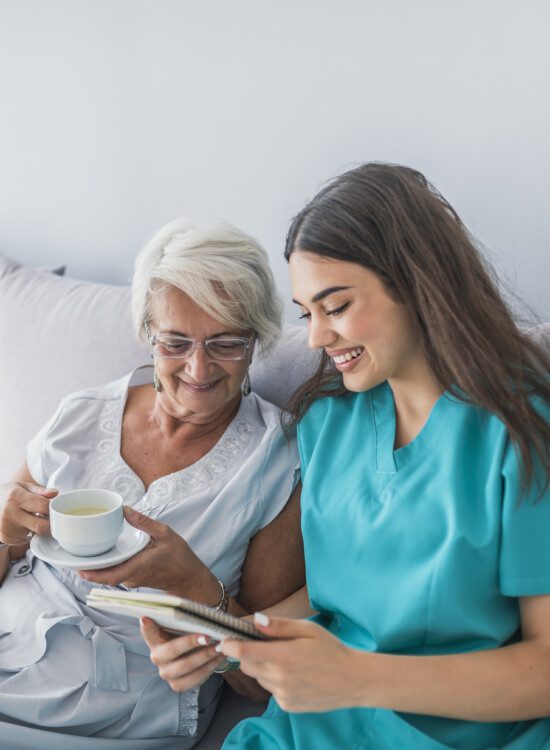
x=129 y=543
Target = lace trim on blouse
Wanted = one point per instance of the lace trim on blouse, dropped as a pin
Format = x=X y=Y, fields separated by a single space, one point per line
x=188 y=710
x=118 y=476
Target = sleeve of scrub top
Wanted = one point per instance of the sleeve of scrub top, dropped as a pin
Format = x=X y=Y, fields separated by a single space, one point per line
x=525 y=541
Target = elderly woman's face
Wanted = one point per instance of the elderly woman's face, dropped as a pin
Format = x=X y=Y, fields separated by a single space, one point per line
x=198 y=386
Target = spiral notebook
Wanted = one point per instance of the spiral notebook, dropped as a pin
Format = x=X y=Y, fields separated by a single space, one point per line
x=174 y=614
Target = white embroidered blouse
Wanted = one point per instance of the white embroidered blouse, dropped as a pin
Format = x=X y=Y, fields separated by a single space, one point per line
x=217 y=504
x=69 y=668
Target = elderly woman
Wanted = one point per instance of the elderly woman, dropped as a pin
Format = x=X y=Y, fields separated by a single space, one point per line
x=203 y=468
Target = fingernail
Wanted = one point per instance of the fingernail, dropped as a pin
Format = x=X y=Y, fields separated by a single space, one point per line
x=261 y=619
x=218 y=648
x=201 y=640
x=129 y=511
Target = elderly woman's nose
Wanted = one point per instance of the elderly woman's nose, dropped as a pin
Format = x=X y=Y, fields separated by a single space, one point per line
x=199 y=363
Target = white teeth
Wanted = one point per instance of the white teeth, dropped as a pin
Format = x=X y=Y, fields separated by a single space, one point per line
x=348 y=356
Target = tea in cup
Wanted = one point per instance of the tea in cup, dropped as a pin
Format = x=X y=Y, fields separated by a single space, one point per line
x=86 y=522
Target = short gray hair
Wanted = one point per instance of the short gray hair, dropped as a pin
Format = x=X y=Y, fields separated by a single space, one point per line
x=223 y=270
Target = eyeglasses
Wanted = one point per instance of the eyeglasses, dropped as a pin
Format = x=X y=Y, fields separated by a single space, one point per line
x=171 y=346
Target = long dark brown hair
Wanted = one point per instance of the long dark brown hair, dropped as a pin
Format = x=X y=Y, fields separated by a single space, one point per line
x=391 y=220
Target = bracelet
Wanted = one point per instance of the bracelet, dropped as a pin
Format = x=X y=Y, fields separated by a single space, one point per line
x=223 y=604
x=228 y=666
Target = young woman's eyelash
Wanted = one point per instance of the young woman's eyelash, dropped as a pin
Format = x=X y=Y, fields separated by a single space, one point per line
x=337 y=310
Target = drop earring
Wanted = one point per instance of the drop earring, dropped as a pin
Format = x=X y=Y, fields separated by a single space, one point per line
x=157 y=385
x=246 y=385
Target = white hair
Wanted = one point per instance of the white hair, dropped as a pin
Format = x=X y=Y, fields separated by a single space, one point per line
x=223 y=270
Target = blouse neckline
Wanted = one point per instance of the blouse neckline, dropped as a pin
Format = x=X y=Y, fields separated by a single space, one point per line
x=136 y=378
x=189 y=480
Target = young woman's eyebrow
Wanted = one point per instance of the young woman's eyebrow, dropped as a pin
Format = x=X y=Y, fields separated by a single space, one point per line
x=324 y=293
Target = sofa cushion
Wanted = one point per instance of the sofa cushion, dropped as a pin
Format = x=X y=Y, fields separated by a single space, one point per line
x=231 y=709
x=58 y=335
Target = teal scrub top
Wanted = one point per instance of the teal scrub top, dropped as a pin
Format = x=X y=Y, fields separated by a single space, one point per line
x=420 y=550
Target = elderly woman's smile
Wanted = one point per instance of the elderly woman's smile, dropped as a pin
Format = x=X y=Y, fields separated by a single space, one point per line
x=200 y=387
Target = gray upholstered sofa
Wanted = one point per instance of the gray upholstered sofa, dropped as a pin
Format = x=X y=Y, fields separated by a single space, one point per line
x=58 y=335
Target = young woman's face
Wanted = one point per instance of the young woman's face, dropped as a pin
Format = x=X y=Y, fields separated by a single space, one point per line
x=370 y=337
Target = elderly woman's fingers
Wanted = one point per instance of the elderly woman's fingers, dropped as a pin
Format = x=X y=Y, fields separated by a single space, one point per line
x=15 y=527
x=195 y=678
x=30 y=497
x=34 y=503
x=165 y=650
x=184 y=661
x=152 y=633
x=19 y=505
x=188 y=664
x=155 y=529
x=36 y=524
x=106 y=576
x=126 y=572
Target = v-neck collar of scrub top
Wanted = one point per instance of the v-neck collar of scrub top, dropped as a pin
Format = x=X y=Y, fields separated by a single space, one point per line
x=388 y=460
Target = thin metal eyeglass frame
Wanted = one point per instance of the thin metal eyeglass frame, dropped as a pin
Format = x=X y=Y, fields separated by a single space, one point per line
x=151 y=338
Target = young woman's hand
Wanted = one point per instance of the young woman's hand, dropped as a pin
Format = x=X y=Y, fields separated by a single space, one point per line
x=183 y=661
x=20 y=502
x=167 y=563
x=307 y=670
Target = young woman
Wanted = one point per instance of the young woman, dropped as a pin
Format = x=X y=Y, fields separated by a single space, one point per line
x=425 y=449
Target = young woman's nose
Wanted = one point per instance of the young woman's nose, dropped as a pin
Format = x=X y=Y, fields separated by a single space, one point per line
x=320 y=333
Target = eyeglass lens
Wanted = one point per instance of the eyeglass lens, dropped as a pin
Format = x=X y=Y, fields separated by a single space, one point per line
x=222 y=348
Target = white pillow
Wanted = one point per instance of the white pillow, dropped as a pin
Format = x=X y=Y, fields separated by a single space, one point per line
x=58 y=335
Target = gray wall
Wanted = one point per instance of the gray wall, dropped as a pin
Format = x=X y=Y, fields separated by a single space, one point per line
x=118 y=115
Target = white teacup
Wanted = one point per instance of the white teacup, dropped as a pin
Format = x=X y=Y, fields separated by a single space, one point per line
x=86 y=522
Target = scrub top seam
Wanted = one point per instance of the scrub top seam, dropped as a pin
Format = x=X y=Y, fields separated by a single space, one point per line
x=375 y=444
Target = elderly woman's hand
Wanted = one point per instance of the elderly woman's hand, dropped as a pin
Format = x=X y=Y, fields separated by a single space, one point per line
x=183 y=661
x=20 y=502
x=167 y=563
